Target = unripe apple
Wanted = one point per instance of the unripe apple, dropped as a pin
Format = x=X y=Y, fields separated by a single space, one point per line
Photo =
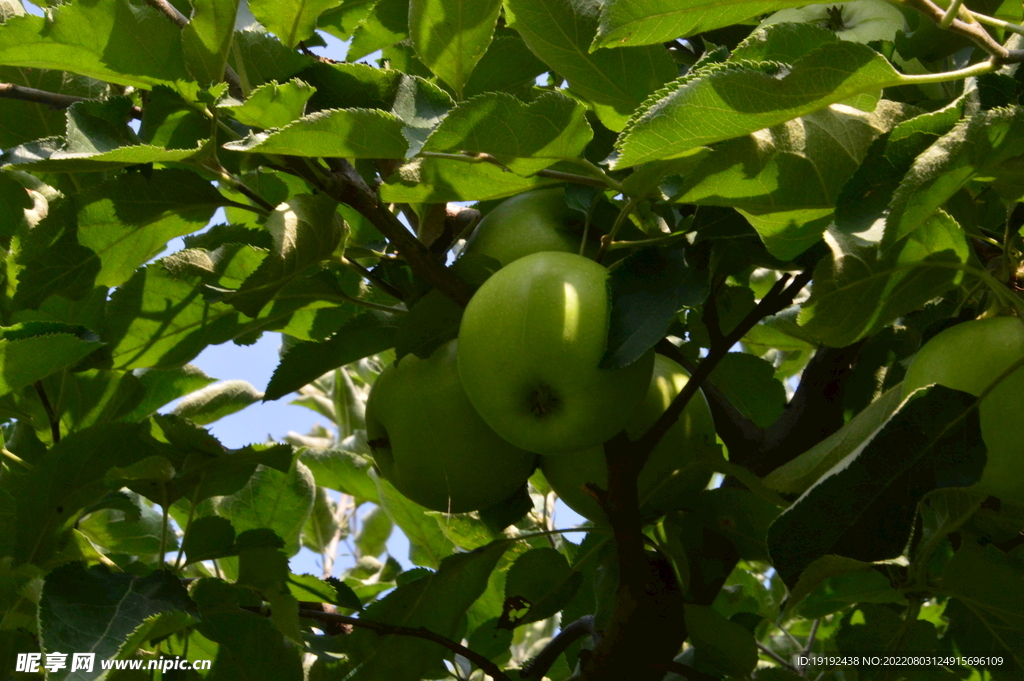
x=671 y=474
x=528 y=223
x=530 y=343
x=969 y=357
x=428 y=441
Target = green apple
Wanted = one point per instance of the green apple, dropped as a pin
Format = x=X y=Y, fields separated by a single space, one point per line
x=530 y=343
x=671 y=473
x=969 y=357
x=431 y=445
x=528 y=223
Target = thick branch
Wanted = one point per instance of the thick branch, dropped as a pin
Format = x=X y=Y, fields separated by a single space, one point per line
x=414 y=632
x=29 y=94
x=348 y=187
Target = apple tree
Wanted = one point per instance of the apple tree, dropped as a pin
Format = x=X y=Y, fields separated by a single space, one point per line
x=738 y=280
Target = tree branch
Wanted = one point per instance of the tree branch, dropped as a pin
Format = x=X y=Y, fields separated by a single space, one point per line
x=558 y=645
x=973 y=31
x=29 y=94
x=414 y=632
x=347 y=186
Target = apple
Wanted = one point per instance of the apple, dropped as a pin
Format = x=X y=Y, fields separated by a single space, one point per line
x=428 y=441
x=530 y=343
x=969 y=357
x=528 y=223
x=670 y=474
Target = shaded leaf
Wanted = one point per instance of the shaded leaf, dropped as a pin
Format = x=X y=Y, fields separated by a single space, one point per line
x=346 y=133
x=291 y=20
x=274 y=106
x=206 y=39
x=538 y=585
x=32 y=351
x=720 y=644
x=750 y=385
x=427 y=544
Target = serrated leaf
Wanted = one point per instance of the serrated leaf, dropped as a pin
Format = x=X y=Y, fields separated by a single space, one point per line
x=117 y=532
x=984 y=147
x=127 y=43
x=633 y=22
x=750 y=385
x=217 y=401
x=94 y=610
x=614 y=82
x=437 y=602
x=861 y=287
x=344 y=470
x=206 y=39
x=30 y=352
x=421 y=106
x=386 y=24
x=345 y=133
x=866 y=196
x=524 y=137
x=291 y=20
x=438 y=180
x=507 y=66
x=208 y=538
x=451 y=36
x=538 y=585
x=167 y=385
x=263 y=58
x=427 y=544
x=739 y=98
x=363 y=336
x=272 y=105
x=272 y=500
x=306 y=229
x=649 y=288
x=342 y=22
x=800 y=473
x=864 y=508
x=785 y=180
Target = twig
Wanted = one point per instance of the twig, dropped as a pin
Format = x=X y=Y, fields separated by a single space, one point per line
x=973 y=31
x=347 y=186
x=50 y=415
x=414 y=632
x=558 y=645
x=775 y=656
x=7 y=454
x=810 y=645
x=950 y=15
x=170 y=11
x=377 y=281
x=30 y=94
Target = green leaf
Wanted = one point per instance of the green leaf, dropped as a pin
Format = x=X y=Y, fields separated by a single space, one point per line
x=386 y=24
x=437 y=602
x=250 y=646
x=264 y=59
x=438 y=180
x=94 y=396
x=217 y=401
x=986 y=611
x=451 y=36
x=750 y=385
x=738 y=98
x=208 y=538
x=427 y=544
x=291 y=20
x=363 y=336
x=374 y=532
x=32 y=351
x=865 y=508
x=127 y=43
x=538 y=585
x=117 y=532
x=614 y=82
x=507 y=66
x=524 y=137
x=342 y=22
x=986 y=146
x=343 y=470
x=421 y=106
x=306 y=229
x=836 y=592
x=721 y=644
x=346 y=133
x=322 y=523
x=800 y=473
x=22 y=122
x=785 y=180
x=94 y=610
x=648 y=289
x=432 y=321
x=866 y=196
x=862 y=288
x=741 y=516
x=273 y=500
x=629 y=22
x=164 y=386
x=272 y=105
x=206 y=39
x=310 y=588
